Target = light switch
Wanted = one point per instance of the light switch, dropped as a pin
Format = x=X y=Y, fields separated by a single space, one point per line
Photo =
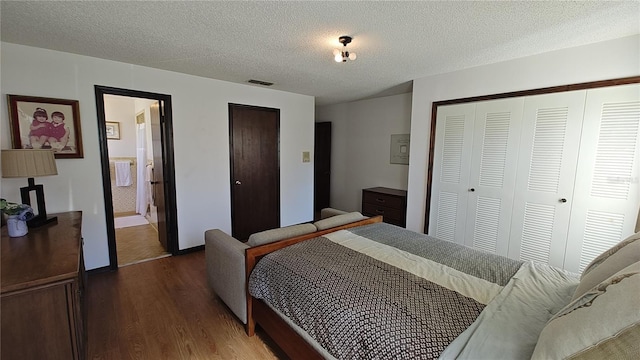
x=306 y=157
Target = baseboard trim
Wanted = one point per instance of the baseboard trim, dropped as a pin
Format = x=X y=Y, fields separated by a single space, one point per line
x=180 y=252
x=190 y=250
x=99 y=270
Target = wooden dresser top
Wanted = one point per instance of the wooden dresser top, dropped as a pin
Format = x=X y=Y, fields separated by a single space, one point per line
x=45 y=255
x=388 y=191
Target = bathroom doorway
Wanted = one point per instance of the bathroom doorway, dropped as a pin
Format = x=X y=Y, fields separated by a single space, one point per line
x=132 y=168
x=136 y=176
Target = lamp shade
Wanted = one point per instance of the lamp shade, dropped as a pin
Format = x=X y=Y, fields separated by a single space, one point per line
x=28 y=163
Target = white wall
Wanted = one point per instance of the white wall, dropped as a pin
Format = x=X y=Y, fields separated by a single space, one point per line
x=201 y=139
x=121 y=109
x=600 y=61
x=360 y=151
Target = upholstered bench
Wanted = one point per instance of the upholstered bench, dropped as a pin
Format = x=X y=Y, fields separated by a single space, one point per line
x=225 y=255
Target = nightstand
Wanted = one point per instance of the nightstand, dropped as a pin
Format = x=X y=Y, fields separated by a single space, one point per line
x=390 y=203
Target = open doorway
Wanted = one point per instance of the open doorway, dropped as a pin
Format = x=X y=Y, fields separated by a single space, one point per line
x=132 y=168
x=137 y=166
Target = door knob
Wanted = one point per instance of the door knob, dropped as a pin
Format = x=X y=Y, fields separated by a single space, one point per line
x=472 y=189
x=563 y=200
x=238 y=182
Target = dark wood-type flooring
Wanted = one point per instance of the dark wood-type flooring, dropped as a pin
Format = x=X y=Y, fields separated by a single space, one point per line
x=164 y=309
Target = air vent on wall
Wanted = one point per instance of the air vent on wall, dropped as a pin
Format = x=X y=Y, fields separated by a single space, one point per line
x=260 y=82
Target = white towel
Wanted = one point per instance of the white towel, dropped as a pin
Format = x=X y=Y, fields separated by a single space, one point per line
x=123 y=173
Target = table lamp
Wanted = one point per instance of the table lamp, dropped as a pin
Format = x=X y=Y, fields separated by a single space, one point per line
x=31 y=163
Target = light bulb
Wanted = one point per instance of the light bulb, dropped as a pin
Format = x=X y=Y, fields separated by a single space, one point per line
x=352 y=56
x=336 y=52
x=338 y=57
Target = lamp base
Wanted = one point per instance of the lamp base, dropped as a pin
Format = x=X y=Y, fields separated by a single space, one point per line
x=41 y=220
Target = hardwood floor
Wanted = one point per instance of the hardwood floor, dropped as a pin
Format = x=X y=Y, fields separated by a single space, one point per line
x=138 y=243
x=164 y=309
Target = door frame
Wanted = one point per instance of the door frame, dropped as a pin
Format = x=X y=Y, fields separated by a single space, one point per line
x=171 y=217
x=327 y=155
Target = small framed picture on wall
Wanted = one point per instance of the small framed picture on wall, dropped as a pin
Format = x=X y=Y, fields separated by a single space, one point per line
x=113 y=130
x=45 y=123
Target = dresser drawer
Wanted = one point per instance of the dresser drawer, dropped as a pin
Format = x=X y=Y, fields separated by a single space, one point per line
x=385 y=200
x=401 y=223
x=386 y=212
x=390 y=203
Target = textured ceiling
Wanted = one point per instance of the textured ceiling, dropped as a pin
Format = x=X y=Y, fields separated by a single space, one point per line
x=290 y=43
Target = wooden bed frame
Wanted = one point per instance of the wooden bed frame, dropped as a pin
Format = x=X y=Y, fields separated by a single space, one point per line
x=294 y=345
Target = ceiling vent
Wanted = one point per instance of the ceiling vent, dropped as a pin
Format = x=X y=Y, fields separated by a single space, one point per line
x=260 y=82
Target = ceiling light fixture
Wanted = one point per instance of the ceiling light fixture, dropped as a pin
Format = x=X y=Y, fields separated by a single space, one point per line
x=341 y=55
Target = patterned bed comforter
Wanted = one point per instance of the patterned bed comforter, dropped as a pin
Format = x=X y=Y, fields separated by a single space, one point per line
x=380 y=291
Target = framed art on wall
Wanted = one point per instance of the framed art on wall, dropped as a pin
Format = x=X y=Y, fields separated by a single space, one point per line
x=45 y=123
x=113 y=130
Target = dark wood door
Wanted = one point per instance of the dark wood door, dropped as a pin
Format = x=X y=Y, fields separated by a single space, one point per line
x=157 y=182
x=322 y=165
x=255 y=169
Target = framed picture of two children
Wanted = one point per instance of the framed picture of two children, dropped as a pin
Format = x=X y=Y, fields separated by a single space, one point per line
x=46 y=123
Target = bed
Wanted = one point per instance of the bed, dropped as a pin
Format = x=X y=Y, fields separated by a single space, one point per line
x=371 y=290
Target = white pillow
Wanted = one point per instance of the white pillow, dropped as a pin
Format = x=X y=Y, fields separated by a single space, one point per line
x=608 y=263
x=603 y=323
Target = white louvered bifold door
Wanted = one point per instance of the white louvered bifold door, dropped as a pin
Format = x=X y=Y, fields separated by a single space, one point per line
x=450 y=178
x=494 y=159
x=546 y=173
x=605 y=207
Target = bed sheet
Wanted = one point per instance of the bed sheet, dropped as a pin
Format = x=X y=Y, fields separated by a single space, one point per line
x=380 y=291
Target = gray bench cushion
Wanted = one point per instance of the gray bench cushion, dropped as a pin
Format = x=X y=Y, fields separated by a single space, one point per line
x=339 y=220
x=267 y=236
x=329 y=212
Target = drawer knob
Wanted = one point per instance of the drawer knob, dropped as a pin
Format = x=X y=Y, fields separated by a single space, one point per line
x=380 y=211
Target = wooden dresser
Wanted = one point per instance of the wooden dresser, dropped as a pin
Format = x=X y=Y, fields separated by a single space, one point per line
x=390 y=203
x=43 y=313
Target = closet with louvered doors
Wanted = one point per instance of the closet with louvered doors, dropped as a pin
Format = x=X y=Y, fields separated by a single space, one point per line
x=451 y=166
x=570 y=193
x=494 y=161
x=607 y=185
x=544 y=193
x=474 y=172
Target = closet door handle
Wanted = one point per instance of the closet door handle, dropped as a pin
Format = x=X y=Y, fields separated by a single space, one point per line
x=563 y=200
x=472 y=190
